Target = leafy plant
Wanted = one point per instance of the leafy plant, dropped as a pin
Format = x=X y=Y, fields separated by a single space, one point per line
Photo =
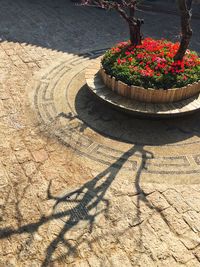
x=151 y=64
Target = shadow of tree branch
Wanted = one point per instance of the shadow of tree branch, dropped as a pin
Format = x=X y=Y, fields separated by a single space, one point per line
x=82 y=206
x=84 y=200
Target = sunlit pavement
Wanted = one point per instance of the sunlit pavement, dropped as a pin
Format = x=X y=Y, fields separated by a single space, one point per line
x=82 y=184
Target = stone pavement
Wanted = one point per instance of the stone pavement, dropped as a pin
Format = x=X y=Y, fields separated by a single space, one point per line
x=82 y=184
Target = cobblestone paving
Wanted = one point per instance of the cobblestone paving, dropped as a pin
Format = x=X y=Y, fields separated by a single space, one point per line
x=81 y=184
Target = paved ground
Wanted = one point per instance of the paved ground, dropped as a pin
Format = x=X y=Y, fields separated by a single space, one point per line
x=81 y=184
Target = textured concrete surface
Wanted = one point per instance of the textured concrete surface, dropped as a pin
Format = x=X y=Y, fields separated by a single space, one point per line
x=82 y=184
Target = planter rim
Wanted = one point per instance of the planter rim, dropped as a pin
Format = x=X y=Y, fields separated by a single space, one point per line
x=134 y=107
x=150 y=88
x=149 y=95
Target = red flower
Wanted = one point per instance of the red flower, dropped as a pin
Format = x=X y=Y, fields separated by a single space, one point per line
x=154 y=58
x=119 y=61
x=117 y=50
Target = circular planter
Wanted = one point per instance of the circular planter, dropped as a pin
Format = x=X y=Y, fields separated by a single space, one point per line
x=99 y=88
x=150 y=95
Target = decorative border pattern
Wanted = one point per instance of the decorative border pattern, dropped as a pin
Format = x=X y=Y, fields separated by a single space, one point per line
x=54 y=85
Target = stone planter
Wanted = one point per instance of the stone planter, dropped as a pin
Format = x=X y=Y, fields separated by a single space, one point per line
x=128 y=104
x=150 y=95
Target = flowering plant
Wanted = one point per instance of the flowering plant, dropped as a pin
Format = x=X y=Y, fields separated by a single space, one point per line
x=151 y=64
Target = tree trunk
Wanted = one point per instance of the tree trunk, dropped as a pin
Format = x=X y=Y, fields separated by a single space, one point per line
x=135 y=32
x=185 y=10
x=135 y=27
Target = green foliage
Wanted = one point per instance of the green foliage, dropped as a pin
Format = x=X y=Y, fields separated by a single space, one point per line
x=151 y=64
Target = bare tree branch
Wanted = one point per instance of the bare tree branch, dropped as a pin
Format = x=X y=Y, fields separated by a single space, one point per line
x=122 y=7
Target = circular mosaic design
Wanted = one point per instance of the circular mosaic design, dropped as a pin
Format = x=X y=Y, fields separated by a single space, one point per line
x=167 y=150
